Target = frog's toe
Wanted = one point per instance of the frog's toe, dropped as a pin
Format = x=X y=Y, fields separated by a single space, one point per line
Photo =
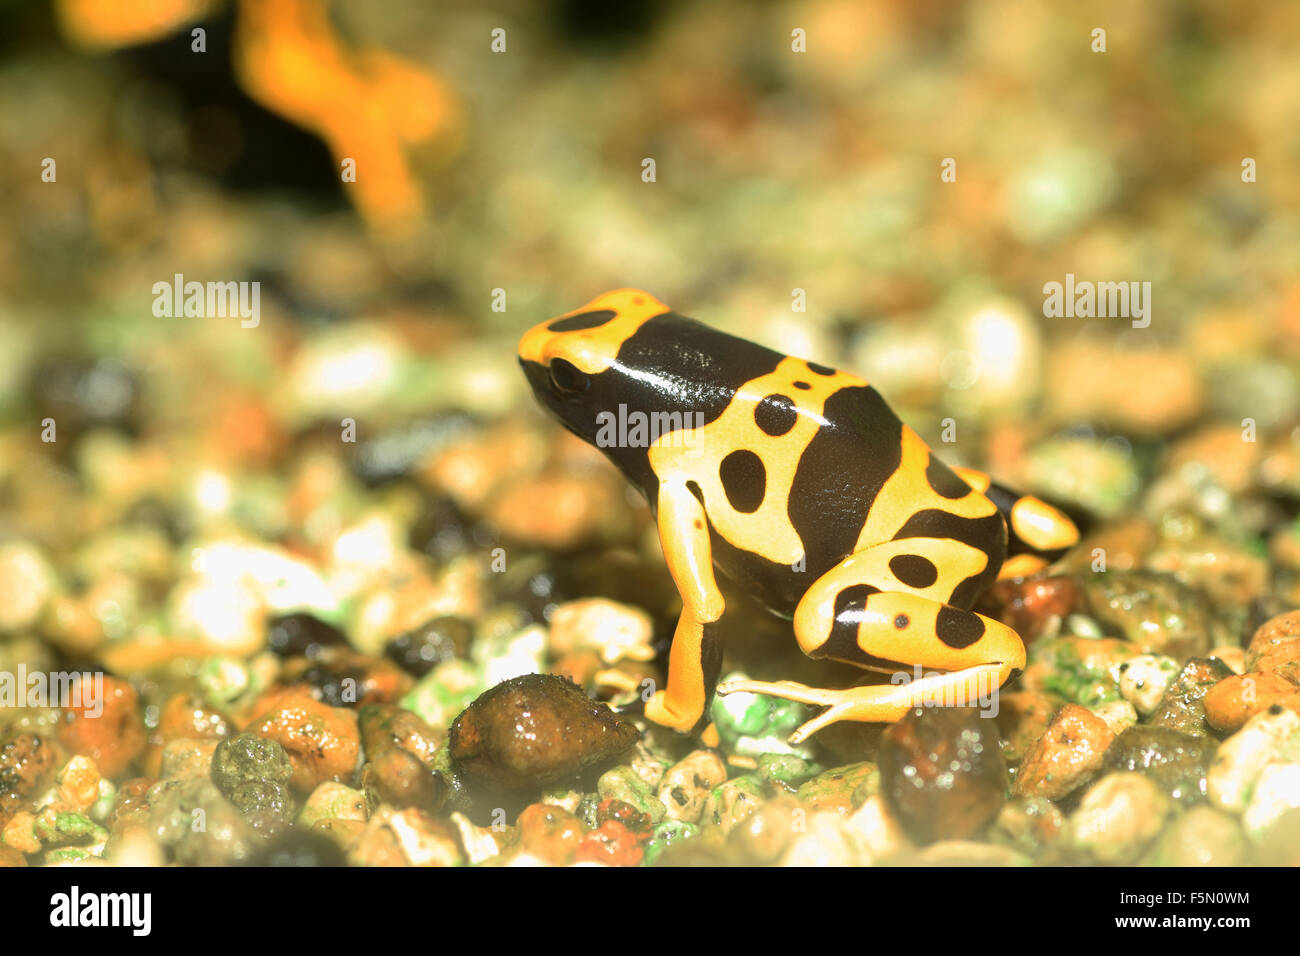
x=785 y=689
x=657 y=711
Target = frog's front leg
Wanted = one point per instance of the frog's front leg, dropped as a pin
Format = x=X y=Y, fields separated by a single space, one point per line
x=885 y=609
x=696 y=656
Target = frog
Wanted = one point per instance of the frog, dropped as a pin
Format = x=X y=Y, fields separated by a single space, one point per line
x=796 y=483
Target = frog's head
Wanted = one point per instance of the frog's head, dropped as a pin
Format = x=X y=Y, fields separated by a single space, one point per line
x=572 y=362
x=624 y=359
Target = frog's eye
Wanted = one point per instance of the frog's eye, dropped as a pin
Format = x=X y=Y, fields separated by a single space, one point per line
x=567 y=379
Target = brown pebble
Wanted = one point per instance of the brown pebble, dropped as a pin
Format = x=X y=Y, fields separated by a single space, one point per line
x=1275 y=647
x=186 y=715
x=1033 y=607
x=11 y=857
x=1234 y=700
x=941 y=772
x=323 y=742
x=550 y=833
x=343 y=832
x=535 y=730
x=1023 y=717
x=1273 y=633
x=114 y=738
x=1067 y=755
x=26 y=764
x=131 y=804
x=183 y=717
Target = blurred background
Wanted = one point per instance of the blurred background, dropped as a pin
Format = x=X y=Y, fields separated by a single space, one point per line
x=499 y=180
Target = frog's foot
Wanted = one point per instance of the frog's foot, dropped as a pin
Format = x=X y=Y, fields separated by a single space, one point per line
x=878 y=702
x=658 y=711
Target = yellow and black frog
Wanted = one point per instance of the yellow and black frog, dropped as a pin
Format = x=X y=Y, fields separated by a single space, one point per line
x=798 y=483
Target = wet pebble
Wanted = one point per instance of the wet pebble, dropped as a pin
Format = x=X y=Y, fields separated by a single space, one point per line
x=224 y=837
x=1269 y=737
x=332 y=801
x=1023 y=717
x=299 y=848
x=246 y=757
x=83 y=393
x=731 y=802
x=1275 y=646
x=302 y=634
x=1085 y=670
x=535 y=730
x=764 y=835
x=841 y=789
x=254 y=775
x=1030 y=825
x=187 y=758
x=1277 y=791
x=667 y=834
x=27 y=763
x=1203 y=836
x=686 y=786
x=1068 y=754
x=824 y=841
x=27 y=582
x=1034 y=607
x=399 y=450
x=1183 y=706
x=942 y=773
x=550 y=833
x=1156 y=612
x=612 y=844
x=1119 y=715
x=420 y=650
x=623 y=784
x=411 y=837
x=612 y=630
x=399 y=751
x=322 y=742
x=1144 y=679
x=1117 y=818
x=340 y=677
x=113 y=738
x=1176 y=762
x=1235 y=699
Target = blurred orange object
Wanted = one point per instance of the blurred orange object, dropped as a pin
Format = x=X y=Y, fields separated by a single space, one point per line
x=366 y=104
x=93 y=23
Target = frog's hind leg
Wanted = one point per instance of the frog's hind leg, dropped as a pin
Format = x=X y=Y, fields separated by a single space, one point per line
x=1037 y=533
x=886 y=608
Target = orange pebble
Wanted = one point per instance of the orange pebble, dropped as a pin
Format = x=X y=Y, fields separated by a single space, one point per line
x=115 y=737
x=550 y=832
x=612 y=843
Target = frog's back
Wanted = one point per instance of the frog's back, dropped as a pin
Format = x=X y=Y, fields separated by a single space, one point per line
x=803 y=465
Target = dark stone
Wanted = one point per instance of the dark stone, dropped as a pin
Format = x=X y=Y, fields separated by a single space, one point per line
x=247 y=758
x=533 y=731
x=1176 y=762
x=942 y=773
x=300 y=848
x=1183 y=706
x=420 y=650
x=292 y=635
